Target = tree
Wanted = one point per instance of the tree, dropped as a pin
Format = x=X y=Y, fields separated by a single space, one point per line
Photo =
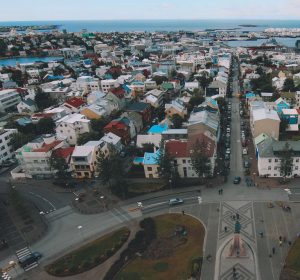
x=200 y=161
x=110 y=171
x=289 y=85
x=204 y=81
x=104 y=169
x=165 y=162
x=97 y=125
x=20 y=139
x=160 y=79
x=177 y=121
x=196 y=100
x=148 y=147
x=60 y=165
x=284 y=123
x=45 y=126
x=86 y=137
x=43 y=100
x=3 y=47
x=286 y=163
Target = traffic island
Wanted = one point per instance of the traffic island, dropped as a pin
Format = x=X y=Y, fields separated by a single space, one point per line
x=173 y=251
x=90 y=255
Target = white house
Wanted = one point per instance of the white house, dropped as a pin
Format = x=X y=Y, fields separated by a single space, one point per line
x=87 y=83
x=9 y=99
x=71 y=126
x=6 y=149
x=34 y=157
x=27 y=105
x=269 y=153
x=107 y=85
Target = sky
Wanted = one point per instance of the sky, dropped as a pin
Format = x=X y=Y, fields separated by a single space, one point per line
x=19 y=10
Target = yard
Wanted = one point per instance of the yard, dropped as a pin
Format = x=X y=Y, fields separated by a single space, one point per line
x=292 y=269
x=145 y=187
x=169 y=257
x=90 y=255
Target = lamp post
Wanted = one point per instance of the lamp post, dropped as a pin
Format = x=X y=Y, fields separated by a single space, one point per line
x=80 y=231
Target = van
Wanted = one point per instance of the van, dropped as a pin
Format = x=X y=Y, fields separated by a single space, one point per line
x=245 y=151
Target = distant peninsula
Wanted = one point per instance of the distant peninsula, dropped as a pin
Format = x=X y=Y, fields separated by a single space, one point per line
x=248 y=25
x=25 y=27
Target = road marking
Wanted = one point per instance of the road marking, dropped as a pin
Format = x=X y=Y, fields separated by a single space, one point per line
x=43 y=198
x=121 y=214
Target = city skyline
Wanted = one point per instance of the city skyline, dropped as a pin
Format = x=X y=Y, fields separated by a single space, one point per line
x=158 y=9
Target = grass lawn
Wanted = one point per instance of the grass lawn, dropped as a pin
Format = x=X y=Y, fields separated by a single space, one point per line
x=146 y=187
x=90 y=255
x=179 y=264
x=293 y=260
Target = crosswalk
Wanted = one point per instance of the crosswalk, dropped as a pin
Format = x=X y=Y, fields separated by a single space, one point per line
x=24 y=252
x=6 y=276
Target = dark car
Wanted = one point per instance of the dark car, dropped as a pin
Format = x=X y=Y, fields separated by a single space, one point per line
x=236 y=180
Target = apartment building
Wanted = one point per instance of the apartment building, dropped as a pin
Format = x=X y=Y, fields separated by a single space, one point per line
x=71 y=126
x=9 y=99
x=6 y=149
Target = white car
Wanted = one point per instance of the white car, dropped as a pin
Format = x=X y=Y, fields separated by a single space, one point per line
x=175 y=201
x=245 y=151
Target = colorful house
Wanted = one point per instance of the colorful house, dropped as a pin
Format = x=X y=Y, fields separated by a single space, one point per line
x=281 y=104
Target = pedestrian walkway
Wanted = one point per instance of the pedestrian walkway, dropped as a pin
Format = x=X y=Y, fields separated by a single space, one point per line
x=26 y=254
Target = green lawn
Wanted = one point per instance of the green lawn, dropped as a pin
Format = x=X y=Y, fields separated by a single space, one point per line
x=293 y=259
x=179 y=264
x=146 y=187
x=90 y=255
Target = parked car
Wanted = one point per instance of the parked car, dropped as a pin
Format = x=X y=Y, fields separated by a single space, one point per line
x=246 y=164
x=175 y=201
x=245 y=151
x=237 y=180
x=227 y=156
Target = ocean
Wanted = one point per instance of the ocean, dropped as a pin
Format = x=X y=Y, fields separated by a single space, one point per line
x=158 y=25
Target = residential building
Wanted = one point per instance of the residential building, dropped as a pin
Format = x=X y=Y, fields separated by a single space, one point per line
x=6 y=149
x=269 y=153
x=144 y=109
x=264 y=120
x=9 y=99
x=74 y=105
x=107 y=85
x=84 y=161
x=151 y=166
x=176 y=107
x=155 y=98
x=27 y=106
x=71 y=126
x=34 y=157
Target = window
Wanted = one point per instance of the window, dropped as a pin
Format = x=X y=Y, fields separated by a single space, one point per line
x=276 y=159
x=275 y=175
x=183 y=161
x=269 y=167
x=270 y=160
x=175 y=161
x=61 y=131
x=297 y=160
x=296 y=167
x=149 y=168
x=275 y=168
x=35 y=161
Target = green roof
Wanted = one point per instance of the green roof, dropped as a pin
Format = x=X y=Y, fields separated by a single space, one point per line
x=167 y=86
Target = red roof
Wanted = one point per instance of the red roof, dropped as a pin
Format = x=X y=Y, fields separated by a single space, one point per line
x=119 y=92
x=177 y=148
x=75 y=102
x=47 y=147
x=42 y=115
x=63 y=152
x=298 y=111
x=116 y=125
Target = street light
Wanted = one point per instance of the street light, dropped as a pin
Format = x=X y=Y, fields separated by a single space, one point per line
x=80 y=231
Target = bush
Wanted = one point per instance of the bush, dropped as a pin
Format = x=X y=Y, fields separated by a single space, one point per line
x=86 y=264
x=73 y=269
x=161 y=266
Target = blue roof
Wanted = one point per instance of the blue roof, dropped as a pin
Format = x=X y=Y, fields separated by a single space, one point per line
x=23 y=121
x=158 y=128
x=250 y=95
x=52 y=77
x=151 y=158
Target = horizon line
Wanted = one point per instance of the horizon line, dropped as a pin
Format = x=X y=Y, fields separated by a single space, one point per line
x=139 y=19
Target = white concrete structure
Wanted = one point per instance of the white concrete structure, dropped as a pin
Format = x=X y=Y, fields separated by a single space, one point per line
x=9 y=99
x=34 y=157
x=6 y=149
x=87 y=83
x=106 y=85
x=71 y=126
x=269 y=153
